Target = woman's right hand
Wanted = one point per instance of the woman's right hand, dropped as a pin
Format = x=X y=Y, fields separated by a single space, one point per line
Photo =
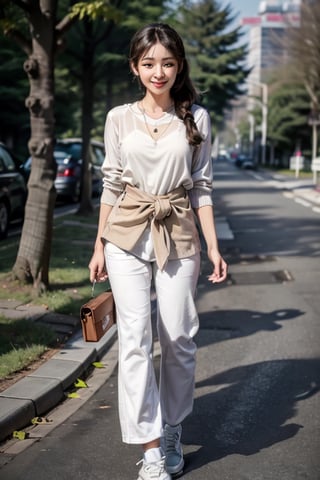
x=97 y=267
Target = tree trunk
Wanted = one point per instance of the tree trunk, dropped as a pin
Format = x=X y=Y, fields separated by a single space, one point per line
x=32 y=262
x=86 y=206
x=272 y=153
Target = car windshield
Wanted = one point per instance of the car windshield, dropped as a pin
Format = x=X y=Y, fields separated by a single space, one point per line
x=68 y=149
x=62 y=157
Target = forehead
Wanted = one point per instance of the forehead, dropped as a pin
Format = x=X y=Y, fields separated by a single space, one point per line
x=157 y=51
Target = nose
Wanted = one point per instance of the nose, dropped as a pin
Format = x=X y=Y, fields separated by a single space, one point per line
x=159 y=71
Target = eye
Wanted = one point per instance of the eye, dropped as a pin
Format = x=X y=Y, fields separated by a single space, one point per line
x=169 y=65
x=147 y=65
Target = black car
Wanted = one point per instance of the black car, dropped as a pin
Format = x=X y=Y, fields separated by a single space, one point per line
x=67 y=153
x=245 y=161
x=13 y=191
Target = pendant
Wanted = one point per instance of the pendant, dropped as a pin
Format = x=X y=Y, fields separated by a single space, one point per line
x=155 y=130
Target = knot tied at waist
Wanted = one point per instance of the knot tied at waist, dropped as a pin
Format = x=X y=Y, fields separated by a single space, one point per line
x=162 y=208
x=169 y=217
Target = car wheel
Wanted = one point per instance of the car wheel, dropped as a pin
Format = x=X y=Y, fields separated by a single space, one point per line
x=4 y=220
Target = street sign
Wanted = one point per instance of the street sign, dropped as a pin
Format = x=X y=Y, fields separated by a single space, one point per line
x=314 y=119
x=315 y=167
x=315 y=164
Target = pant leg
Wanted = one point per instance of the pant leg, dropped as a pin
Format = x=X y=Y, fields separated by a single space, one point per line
x=177 y=324
x=139 y=403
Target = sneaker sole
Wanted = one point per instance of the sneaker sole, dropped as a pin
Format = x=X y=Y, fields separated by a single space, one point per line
x=177 y=470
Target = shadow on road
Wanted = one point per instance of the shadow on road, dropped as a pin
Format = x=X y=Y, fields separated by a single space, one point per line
x=228 y=324
x=249 y=409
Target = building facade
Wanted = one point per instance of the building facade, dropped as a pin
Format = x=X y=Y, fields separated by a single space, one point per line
x=267 y=48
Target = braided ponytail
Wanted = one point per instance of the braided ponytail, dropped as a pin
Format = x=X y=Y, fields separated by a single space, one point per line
x=185 y=95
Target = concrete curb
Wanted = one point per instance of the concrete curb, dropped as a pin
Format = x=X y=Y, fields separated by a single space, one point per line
x=43 y=389
x=309 y=194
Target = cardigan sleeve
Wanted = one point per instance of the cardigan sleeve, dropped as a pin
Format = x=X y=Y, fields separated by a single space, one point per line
x=201 y=192
x=111 y=167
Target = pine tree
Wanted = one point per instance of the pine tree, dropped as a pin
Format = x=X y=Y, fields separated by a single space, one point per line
x=288 y=110
x=14 y=118
x=214 y=52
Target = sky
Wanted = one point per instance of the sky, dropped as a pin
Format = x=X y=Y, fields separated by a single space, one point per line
x=241 y=9
x=245 y=8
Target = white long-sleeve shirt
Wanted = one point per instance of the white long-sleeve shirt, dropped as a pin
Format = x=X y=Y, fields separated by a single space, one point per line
x=156 y=166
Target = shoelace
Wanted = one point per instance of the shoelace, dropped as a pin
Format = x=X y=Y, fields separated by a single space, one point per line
x=171 y=442
x=154 y=468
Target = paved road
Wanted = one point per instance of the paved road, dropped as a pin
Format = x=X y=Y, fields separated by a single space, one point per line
x=257 y=410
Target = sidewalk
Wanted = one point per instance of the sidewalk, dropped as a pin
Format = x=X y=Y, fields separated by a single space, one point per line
x=309 y=193
x=304 y=189
x=37 y=393
x=41 y=390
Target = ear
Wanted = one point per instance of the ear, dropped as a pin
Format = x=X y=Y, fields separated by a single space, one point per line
x=134 y=70
x=181 y=67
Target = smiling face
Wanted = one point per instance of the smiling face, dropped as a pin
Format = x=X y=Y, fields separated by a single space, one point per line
x=157 y=69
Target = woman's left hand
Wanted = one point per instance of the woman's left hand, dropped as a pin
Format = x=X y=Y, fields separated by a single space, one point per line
x=220 y=268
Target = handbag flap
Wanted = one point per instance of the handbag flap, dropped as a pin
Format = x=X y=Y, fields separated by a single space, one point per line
x=100 y=305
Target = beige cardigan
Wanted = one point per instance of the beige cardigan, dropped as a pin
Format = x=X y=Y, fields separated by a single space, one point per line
x=170 y=218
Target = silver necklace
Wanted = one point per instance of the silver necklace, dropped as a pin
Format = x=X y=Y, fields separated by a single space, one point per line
x=153 y=133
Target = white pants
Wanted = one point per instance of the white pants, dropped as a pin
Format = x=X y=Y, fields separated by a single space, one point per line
x=143 y=407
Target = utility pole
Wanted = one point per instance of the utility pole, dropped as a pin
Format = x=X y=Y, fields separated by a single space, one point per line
x=264 y=123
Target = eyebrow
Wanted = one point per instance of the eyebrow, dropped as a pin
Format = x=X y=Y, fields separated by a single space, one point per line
x=152 y=58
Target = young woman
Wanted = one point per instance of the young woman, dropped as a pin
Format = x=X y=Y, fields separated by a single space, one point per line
x=157 y=175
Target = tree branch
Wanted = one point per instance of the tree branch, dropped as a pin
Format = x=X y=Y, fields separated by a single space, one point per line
x=65 y=24
x=311 y=93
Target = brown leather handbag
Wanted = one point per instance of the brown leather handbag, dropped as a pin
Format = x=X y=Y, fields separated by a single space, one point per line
x=97 y=316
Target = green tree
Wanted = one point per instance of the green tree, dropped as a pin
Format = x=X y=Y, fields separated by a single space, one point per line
x=100 y=48
x=14 y=119
x=40 y=37
x=216 y=57
x=287 y=114
x=304 y=67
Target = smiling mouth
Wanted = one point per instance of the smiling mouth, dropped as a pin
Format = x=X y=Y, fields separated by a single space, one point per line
x=158 y=84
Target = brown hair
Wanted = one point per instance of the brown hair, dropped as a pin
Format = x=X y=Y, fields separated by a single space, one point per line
x=183 y=91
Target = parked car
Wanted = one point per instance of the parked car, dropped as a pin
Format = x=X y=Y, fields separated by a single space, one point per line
x=67 y=153
x=244 y=161
x=13 y=190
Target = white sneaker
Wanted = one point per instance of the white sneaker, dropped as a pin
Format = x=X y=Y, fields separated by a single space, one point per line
x=173 y=449
x=153 y=471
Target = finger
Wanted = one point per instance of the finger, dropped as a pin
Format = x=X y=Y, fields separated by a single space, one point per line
x=102 y=277
x=219 y=273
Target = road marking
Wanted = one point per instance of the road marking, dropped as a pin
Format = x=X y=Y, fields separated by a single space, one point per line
x=302 y=202
x=256 y=176
x=224 y=231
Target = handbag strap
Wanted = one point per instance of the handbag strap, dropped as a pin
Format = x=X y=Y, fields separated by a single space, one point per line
x=93 y=286
x=92 y=289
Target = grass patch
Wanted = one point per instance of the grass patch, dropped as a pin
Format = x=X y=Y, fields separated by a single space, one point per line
x=304 y=174
x=21 y=343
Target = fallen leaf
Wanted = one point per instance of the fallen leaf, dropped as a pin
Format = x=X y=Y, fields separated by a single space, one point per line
x=19 y=434
x=98 y=365
x=40 y=420
x=80 y=384
x=73 y=395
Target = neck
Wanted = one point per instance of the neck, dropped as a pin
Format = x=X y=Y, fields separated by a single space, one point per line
x=156 y=105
